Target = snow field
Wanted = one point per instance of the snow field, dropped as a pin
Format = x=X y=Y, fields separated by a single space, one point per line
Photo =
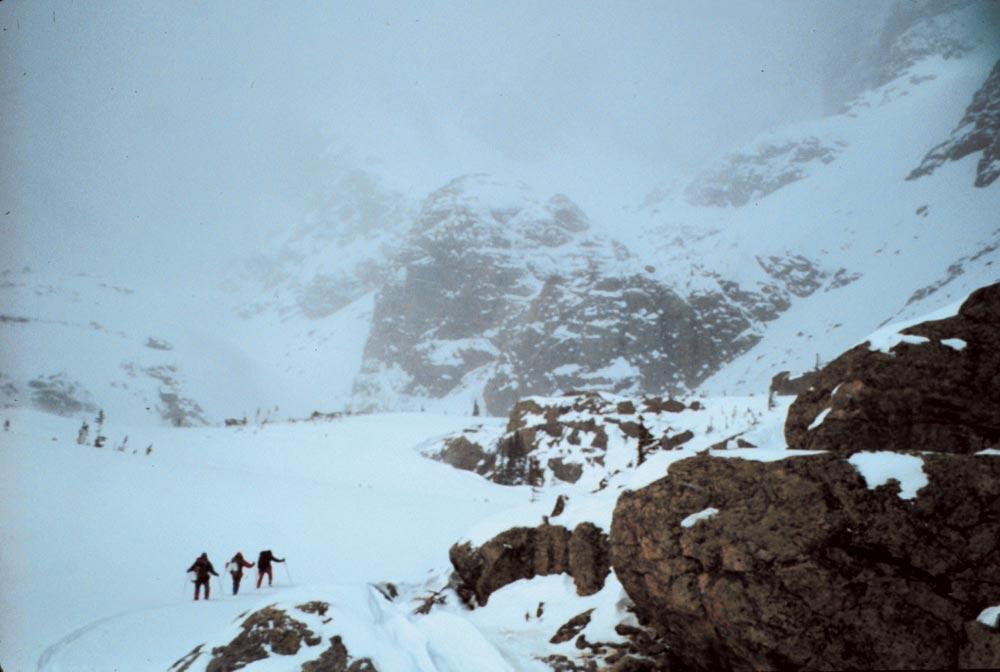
x=91 y=532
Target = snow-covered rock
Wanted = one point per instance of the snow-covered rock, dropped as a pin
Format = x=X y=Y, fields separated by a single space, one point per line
x=978 y=131
x=512 y=294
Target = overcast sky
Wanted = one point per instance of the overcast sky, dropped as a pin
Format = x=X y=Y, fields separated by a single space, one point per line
x=136 y=135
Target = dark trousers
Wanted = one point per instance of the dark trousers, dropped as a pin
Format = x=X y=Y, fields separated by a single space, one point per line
x=236 y=581
x=260 y=576
x=197 y=585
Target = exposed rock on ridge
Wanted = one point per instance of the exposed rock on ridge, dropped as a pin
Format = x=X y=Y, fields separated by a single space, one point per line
x=978 y=131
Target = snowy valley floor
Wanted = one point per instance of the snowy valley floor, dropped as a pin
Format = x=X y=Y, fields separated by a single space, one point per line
x=95 y=542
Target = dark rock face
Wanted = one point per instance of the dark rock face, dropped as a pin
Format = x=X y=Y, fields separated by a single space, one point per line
x=462 y=453
x=588 y=558
x=925 y=396
x=978 y=131
x=337 y=659
x=572 y=627
x=616 y=333
x=272 y=632
x=785 y=385
x=526 y=552
x=264 y=632
x=804 y=567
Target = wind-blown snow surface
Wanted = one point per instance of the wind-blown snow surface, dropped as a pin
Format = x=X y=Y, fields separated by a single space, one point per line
x=95 y=542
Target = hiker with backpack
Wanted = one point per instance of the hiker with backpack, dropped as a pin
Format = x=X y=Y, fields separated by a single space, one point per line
x=264 y=561
x=202 y=569
x=235 y=567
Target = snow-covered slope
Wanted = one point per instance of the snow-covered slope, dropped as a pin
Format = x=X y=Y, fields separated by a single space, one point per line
x=341 y=252
x=878 y=247
x=149 y=354
x=96 y=541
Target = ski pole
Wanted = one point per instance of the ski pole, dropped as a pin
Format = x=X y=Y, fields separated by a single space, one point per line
x=288 y=573
x=218 y=581
x=185 y=586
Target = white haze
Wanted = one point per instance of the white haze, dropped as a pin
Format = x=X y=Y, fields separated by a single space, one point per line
x=166 y=140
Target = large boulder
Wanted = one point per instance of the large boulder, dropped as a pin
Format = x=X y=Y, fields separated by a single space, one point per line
x=798 y=564
x=527 y=552
x=937 y=389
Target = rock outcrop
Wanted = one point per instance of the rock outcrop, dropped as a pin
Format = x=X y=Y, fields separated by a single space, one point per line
x=978 y=131
x=752 y=175
x=264 y=632
x=802 y=563
x=527 y=552
x=937 y=389
x=804 y=567
x=563 y=439
x=271 y=632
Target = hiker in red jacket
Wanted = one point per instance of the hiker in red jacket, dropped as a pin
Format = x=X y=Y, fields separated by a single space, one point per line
x=235 y=567
x=264 y=561
x=202 y=568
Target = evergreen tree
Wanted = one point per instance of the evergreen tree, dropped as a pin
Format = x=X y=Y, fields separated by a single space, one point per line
x=475 y=408
x=645 y=442
x=81 y=436
x=99 y=439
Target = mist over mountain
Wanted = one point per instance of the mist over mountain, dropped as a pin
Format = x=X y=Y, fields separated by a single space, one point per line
x=442 y=299
x=288 y=189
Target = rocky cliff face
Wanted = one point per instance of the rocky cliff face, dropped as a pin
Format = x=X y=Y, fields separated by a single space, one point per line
x=880 y=560
x=500 y=290
x=978 y=131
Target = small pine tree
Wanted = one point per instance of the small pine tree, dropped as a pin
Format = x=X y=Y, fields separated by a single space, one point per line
x=149 y=449
x=99 y=439
x=475 y=408
x=535 y=478
x=81 y=436
x=645 y=442
x=6 y=425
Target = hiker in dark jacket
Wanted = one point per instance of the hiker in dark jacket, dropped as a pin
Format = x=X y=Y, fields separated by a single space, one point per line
x=264 y=561
x=236 y=566
x=202 y=569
